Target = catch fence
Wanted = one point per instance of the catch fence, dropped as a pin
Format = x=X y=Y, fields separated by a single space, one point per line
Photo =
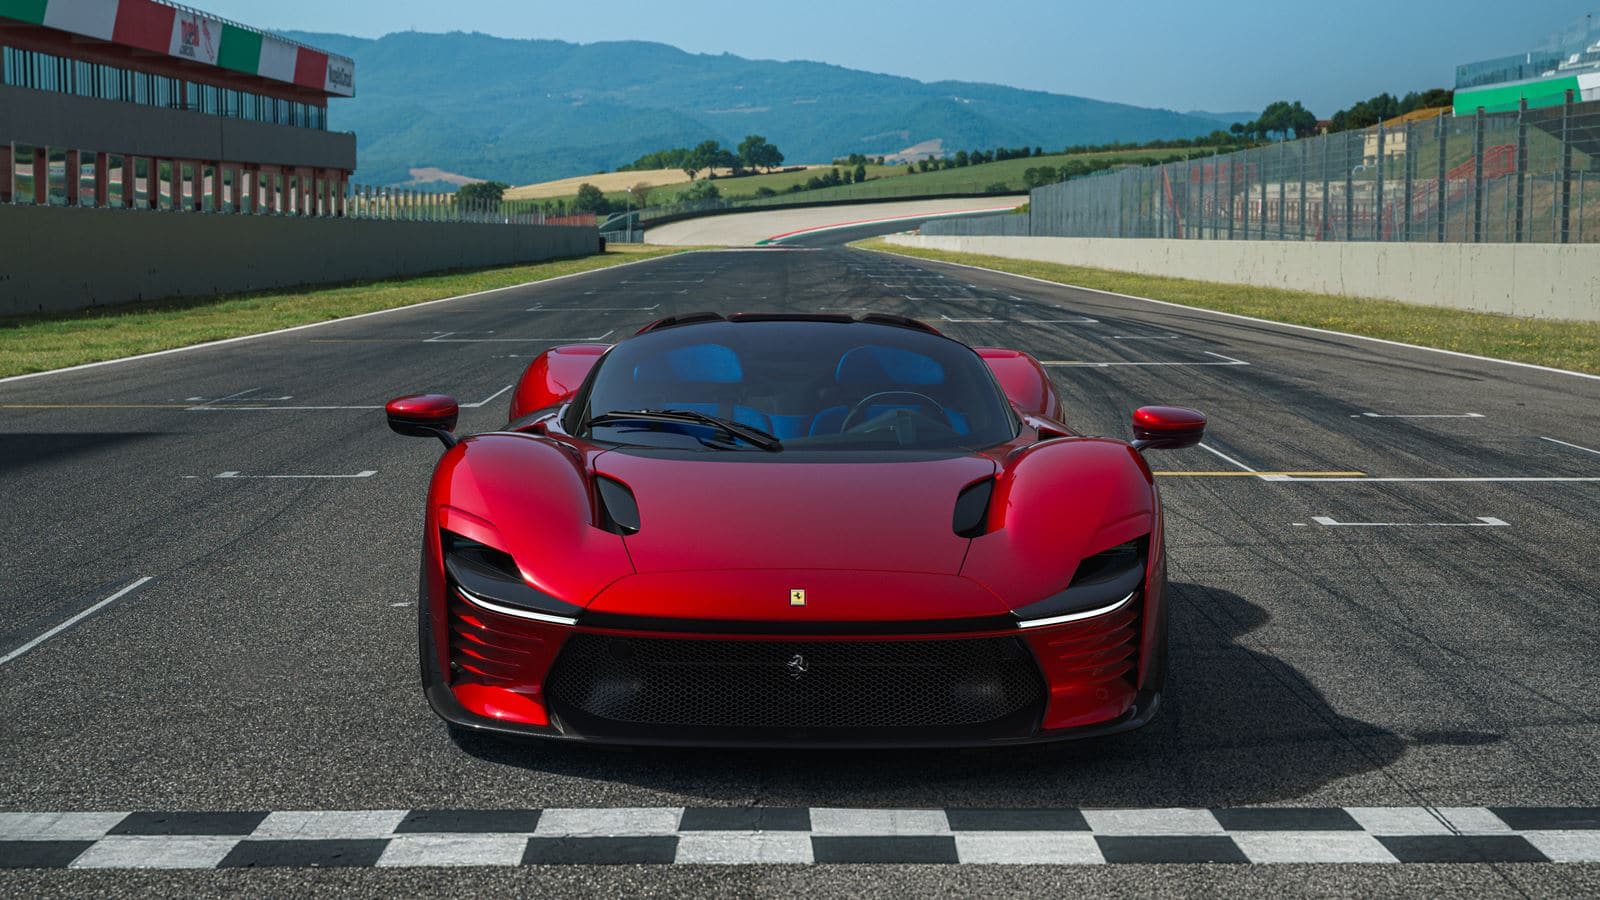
x=1530 y=175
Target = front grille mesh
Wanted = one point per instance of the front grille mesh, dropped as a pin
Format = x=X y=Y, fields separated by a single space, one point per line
x=755 y=683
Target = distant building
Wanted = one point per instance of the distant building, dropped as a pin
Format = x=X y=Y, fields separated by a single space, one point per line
x=1569 y=61
x=169 y=107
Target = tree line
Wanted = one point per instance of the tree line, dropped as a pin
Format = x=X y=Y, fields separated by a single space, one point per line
x=754 y=153
x=1282 y=119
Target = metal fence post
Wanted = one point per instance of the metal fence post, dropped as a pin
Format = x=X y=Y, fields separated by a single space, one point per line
x=1477 y=176
x=1522 y=167
x=1305 y=163
x=1410 y=178
x=1327 y=186
x=1377 y=205
x=1349 y=189
x=1443 y=197
x=1565 y=203
x=1231 y=170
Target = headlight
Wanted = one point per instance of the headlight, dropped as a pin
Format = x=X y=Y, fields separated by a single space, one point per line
x=488 y=578
x=1103 y=583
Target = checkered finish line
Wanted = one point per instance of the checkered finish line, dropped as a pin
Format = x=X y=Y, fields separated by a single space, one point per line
x=771 y=836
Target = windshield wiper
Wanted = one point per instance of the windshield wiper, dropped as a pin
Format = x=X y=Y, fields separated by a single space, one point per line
x=747 y=433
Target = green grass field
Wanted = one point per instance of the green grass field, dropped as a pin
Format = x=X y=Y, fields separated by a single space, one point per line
x=886 y=182
x=40 y=343
x=1544 y=342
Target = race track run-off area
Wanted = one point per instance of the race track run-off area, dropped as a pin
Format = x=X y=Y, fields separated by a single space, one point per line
x=1383 y=673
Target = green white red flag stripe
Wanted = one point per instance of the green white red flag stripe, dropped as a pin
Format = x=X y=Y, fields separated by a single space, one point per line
x=190 y=35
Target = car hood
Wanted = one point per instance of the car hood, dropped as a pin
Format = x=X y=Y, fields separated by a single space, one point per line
x=706 y=514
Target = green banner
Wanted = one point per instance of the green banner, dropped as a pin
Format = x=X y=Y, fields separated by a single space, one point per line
x=240 y=50
x=31 y=11
x=1499 y=98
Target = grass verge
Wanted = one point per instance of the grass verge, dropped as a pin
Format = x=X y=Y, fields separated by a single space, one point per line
x=1545 y=342
x=44 y=342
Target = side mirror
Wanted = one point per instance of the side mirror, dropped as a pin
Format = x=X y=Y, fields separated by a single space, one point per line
x=424 y=415
x=1167 y=428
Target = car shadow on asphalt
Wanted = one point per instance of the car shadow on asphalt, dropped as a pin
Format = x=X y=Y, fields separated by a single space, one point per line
x=1238 y=727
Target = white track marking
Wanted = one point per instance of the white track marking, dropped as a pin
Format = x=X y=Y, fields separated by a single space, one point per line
x=454 y=850
x=203 y=408
x=1483 y=522
x=75 y=619
x=447 y=339
x=1225 y=457
x=608 y=822
x=237 y=475
x=1070 y=848
x=1081 y=320
x=57 y=826
x=487 y=400
x=1398 y=820
x=744 y=848
x=1152 y=821
x=1228 y=315
x=1228 y=361
x=156 y=852
x=1566 y=846
x=1573 y=446
x=1128 y=337
x=1372 y=415
x=879 y=822
x=596 y=309
x=1312 y=847
x=379 y=312
x=328 y=825
x=971 y=321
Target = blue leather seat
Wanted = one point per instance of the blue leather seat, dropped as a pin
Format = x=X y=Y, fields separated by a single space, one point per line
x=871 y=369
x=702 y=365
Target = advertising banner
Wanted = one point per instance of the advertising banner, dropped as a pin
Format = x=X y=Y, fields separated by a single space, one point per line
x=341 y=77
x=195 y=37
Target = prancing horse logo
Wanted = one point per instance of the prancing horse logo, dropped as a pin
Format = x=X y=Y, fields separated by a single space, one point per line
x=797 y=666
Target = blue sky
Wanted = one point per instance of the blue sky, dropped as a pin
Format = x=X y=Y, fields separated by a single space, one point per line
x=1190 y=54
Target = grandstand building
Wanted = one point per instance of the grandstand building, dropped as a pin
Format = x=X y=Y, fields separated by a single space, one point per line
x=1568 y=62
x=151 y=105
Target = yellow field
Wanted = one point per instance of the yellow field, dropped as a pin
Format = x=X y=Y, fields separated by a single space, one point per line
x=609 y=182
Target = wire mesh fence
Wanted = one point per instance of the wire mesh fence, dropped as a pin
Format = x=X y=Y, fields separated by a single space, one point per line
x=1531 y=175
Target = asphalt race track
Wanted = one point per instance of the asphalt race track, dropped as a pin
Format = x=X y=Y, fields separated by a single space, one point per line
x=1383 y=617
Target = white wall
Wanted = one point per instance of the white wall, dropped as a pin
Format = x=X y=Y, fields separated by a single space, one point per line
x=1548 y=281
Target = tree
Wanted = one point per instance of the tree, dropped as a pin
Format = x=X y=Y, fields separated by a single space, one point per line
x=861 y=172
x=707 y=155
x=482 y=192
x=640 y=194
x=592 y=200
x=700 y=190
x=756 y=152
x=961 y=158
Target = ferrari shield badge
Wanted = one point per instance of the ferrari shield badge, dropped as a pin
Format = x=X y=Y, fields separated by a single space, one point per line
x=797 y=597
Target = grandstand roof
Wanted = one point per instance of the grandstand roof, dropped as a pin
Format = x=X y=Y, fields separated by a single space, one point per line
x=185 y=35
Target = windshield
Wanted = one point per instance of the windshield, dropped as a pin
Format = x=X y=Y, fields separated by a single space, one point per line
x=809 y=385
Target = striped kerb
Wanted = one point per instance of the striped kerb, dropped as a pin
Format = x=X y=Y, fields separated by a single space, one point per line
x=240 y=50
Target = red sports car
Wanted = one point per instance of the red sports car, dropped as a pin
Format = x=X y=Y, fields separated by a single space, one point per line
x=792 y=530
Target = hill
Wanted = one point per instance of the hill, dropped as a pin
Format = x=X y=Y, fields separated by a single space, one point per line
x=523 y=111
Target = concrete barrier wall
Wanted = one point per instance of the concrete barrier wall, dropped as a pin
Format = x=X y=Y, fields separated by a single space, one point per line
x=60 y=259
x=1547 y=281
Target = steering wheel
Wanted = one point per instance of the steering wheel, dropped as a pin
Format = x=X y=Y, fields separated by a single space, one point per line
x=923 y=402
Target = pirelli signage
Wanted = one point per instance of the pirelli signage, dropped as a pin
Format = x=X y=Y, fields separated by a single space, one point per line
x=190 y=35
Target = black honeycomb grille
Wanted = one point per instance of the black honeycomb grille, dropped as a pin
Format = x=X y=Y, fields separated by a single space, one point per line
x=795 y=685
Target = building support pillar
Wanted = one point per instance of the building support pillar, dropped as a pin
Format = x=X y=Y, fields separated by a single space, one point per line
x=74 y=176
x=41 y=175
x=102 y=180
x=8 y=153
x=130 y=181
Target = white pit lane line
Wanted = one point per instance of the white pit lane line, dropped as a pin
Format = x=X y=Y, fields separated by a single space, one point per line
x=448 y=337
x=1226 y=361
x=368 y=473
x=1482 y=522
x=79 y=617
x=204 y=408
x=1573 y=446
x=592 y=309
x=1373 y=415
